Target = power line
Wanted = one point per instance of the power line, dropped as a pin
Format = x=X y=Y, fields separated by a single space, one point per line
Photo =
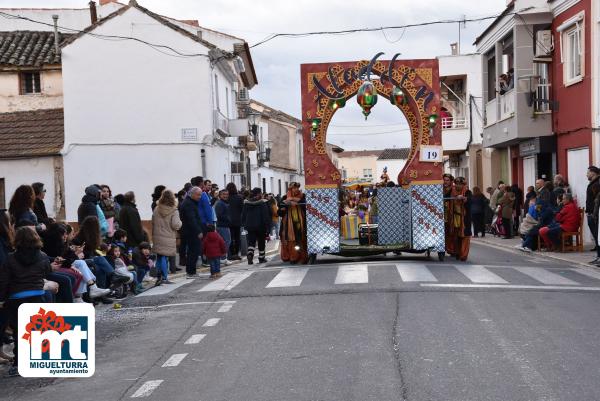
x=371 y=133
x=158 y=47
x=367 y=125
x=349 y=31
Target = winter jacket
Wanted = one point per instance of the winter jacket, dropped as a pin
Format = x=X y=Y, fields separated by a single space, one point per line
x=39 y=208
x=87 y=208
x=165 y=223
x=130 y=221
x=236 y=205
x=108 y=207
x=28 y=217
x=222 y=212
x=256 y=215
x=213 y=245
x=507 y=201
x=24 y=270
x=568 y=217
x=102 y=220
x=4 y=251
x=205 y=209
x=478 y=204
x=190 y=217
x=593 y=190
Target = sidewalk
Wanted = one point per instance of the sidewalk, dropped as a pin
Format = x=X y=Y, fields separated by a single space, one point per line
x=582 y=258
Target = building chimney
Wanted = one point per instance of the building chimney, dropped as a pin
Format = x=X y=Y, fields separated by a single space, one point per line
x=56 y=39
x=93 y=13
x=454 y=49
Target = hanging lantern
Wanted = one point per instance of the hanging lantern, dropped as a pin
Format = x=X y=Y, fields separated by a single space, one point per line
x=433 y=120
x=398 y=97
x=367 y=97
x=335 y=104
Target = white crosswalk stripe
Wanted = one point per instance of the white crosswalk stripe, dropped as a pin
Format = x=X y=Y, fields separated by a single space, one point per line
x=358 y=274
x=415 y=273
x=147 y=388
x=165 y=288
x=544 y=276
x=479 y=274
x=288 y=278
x=227 y=282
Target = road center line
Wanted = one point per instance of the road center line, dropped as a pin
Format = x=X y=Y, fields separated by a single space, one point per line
x=211 y=322
x=179 y=304
x=174 y=360
x=225 y=308
x=195 y=339
x=511 y=286
x=147 y=388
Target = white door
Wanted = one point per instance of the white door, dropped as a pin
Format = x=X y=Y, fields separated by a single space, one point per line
x=578 y=161
x=529 y=176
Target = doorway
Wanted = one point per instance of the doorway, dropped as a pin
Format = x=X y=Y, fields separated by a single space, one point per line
x=578 y=161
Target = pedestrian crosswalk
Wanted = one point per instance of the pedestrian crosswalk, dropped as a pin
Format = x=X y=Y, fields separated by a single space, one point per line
x=460 y=275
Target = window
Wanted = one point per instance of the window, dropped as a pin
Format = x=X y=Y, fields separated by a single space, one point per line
x=368 y=173
x=279 y=186
x=573 y=52
x=543 y=89
x=227 y=101
x=344 y=174
x=217 y=93
x=30 y=83
x=572 y=49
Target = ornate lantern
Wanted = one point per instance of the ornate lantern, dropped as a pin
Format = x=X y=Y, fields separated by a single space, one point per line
x=398 y=97
x=335 y=104
x=367 y=97
x=433 y=120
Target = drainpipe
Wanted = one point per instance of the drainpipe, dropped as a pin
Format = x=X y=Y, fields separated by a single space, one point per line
x=470 y=122
x=56 y=45
x=203 y=161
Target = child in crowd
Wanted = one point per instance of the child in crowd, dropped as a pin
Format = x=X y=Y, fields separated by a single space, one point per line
x=117 y=261
x=214 y=249
x=142 y=260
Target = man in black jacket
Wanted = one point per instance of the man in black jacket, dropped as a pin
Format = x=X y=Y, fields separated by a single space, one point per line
x=131 y=222
x=192 y=229
x=593 y=190
x=256 y=219
x=88 y=203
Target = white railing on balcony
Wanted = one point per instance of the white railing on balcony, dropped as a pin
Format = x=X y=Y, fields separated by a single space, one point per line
x=543 y=93
x=491 y=112
x=458 y=122
x=507 y=104
x=221 y=123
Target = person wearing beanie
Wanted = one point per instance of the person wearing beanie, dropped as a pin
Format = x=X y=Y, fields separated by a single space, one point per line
x=256 y=219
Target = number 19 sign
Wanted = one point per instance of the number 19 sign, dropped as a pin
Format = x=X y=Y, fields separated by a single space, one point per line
x=431 y=154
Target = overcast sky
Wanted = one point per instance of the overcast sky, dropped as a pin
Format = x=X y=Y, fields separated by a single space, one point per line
x=278 y=62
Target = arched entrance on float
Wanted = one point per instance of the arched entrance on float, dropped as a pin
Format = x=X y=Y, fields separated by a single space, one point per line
x=411 y=215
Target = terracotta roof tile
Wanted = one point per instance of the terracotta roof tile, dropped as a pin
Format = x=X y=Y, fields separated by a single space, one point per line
x=394 y=154
x=29 y=48
x=31 y=133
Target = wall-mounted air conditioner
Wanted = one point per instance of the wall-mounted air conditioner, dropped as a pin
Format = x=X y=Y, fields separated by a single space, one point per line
x=543 y=43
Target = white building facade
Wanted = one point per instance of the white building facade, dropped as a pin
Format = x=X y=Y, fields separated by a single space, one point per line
x=138 y=115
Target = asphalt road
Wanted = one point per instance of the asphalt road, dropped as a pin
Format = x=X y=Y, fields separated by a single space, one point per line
x=505 y=326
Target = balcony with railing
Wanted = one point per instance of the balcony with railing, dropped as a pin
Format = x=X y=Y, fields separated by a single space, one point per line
x=455 y=133
x=507 y=104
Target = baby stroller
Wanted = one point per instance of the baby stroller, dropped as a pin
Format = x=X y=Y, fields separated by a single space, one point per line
x=496 y=228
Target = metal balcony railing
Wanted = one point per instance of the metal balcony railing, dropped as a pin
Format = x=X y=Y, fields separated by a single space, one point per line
x=221 y=123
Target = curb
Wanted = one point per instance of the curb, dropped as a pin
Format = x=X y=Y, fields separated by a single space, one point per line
x=535 y=254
